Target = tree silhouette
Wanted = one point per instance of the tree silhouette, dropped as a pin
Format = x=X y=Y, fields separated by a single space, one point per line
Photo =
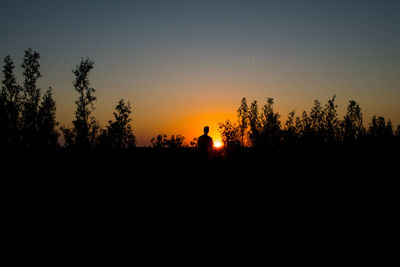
x=290 y=135
x=254 y=123
x=307 y=128
x=321 y=126
x=28 y=120
x=30 y=109
x=243 y=117
x=10 y=106
x=353 y=127
x=379 y=128
x=47 y=120
x=3 y=122
x=317 y=122
x=119 y=132
x=331 y=122
x=69 y=136
x=271 y=126
x=389 y=128
x=84 y=125
x=230 y=133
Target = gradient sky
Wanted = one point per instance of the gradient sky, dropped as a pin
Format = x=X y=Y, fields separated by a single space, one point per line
x=186 y=64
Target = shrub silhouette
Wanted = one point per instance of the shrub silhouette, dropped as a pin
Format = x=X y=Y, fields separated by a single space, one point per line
x=230 y=133
x=162 y=141
x=118 y=133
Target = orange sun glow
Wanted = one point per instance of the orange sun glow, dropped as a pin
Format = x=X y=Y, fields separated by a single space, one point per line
x=217 y=144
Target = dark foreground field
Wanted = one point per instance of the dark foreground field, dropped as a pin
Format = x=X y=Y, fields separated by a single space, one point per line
x=335 y=166
x=340 y=190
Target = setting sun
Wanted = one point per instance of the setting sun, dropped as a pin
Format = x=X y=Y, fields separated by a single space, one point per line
x=217 y=144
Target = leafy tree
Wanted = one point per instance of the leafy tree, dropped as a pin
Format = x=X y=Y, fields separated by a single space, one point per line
x=304 y=128
x=271 y=126
x=379 y=128
x=30 y=110
x=317 y=122
x=331 y=121
x=69 y=136
x=10 y=105
x=3 y=121
x=398 y=130
x=389 y=128
x=84 y=125
x=255 y=124
x=119 y=132
x=243 y=120
x=353 y=127
x=230 y=133
x=290 y=132
x=47 y=120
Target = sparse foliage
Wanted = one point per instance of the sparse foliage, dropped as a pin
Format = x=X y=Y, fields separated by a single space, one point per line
x=331 y=122
x=119 y=132
x=289 y=132
x=352 y=123
x=379 y=128
x=31 y=101
x=69 y=136
x=161 y=141
x=47 y=120
x=254 y=123
x=84 y=125
x=230 y=133
x=243 y=120
x=271 y=126
x=317 y=122
x=10 y=106
x=193 y=143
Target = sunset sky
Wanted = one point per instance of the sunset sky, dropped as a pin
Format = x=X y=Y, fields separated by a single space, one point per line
x=187 y=64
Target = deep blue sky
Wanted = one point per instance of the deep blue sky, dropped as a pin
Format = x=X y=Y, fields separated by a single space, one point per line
x=183 y=64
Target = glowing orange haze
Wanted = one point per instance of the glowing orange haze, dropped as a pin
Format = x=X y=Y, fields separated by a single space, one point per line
x=190 y=126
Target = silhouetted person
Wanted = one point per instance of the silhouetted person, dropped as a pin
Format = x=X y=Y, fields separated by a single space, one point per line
x=205 y=142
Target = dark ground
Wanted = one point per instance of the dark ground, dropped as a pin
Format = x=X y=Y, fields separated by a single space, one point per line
x=335 y=166
x=344 y=196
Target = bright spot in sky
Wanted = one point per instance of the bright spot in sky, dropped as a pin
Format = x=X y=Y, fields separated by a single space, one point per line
x=217 y=144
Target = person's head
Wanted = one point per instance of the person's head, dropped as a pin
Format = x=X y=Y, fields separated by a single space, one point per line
x=206 y=130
